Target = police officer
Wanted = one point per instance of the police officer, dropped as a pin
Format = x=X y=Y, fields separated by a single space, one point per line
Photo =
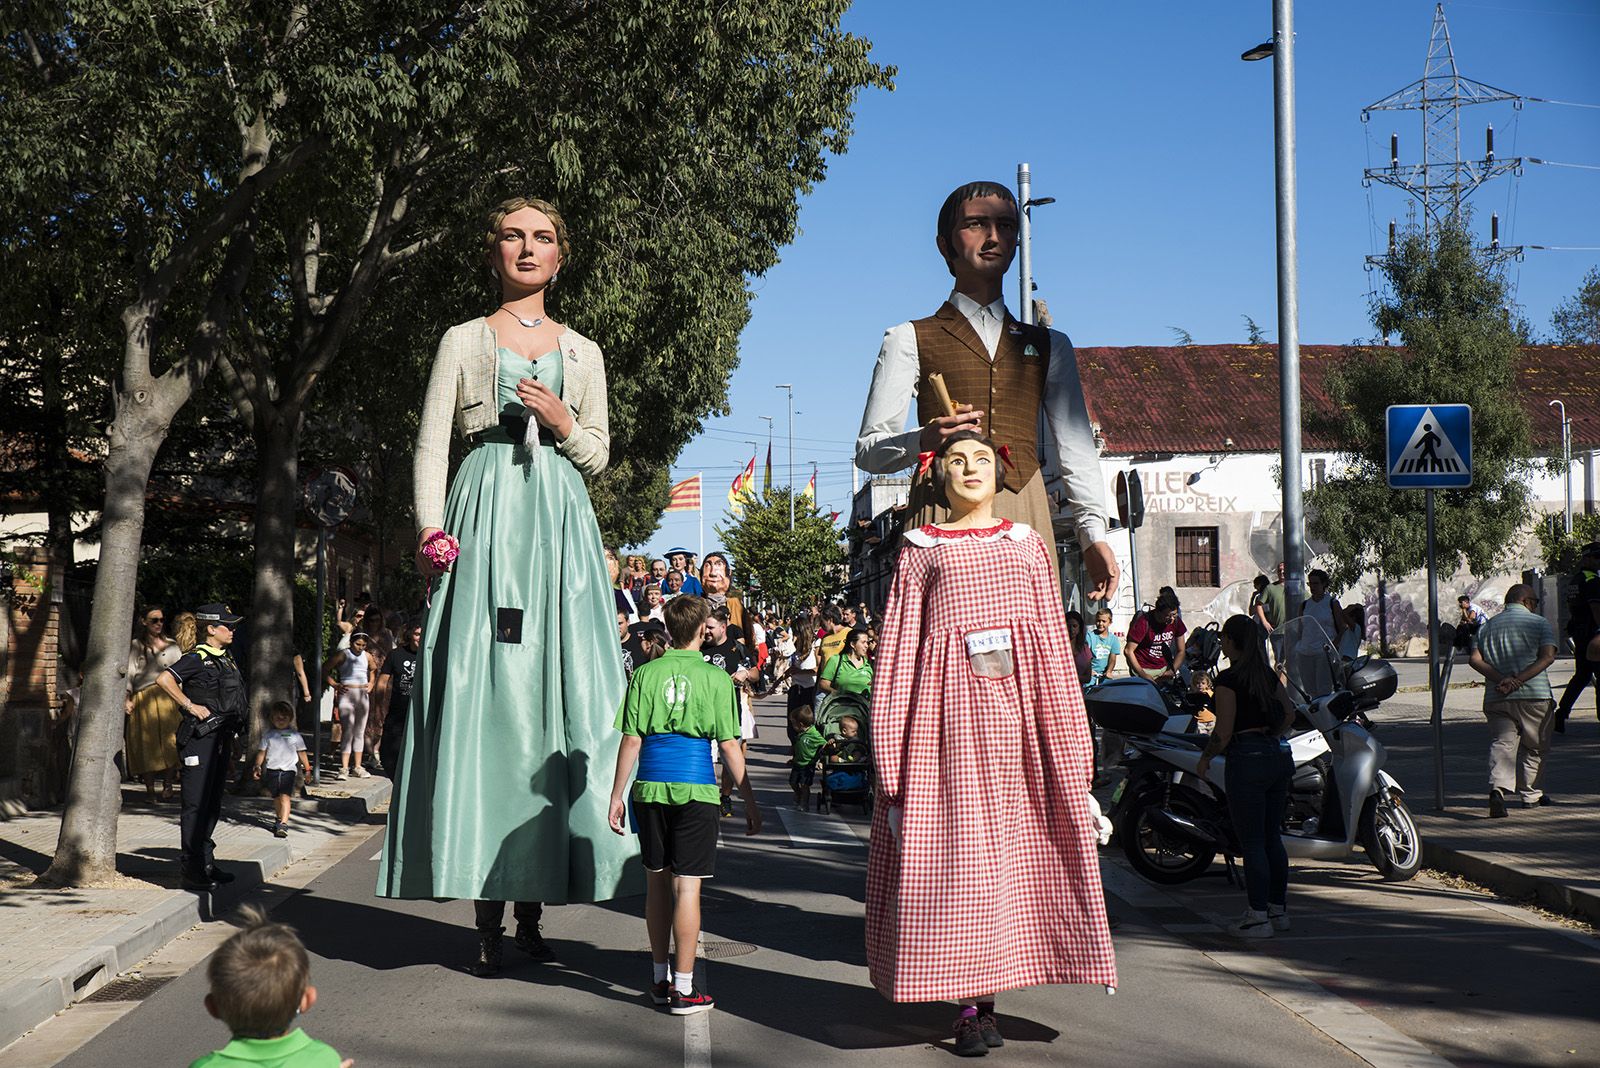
x=209 y=689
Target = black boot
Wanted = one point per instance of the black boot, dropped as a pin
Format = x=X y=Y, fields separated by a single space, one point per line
x=489 y=950
x=531 y=942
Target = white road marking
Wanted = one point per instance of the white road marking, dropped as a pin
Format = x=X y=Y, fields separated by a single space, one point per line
x=1342 y=1021
x=814 y=829
x=697 y=1040
x=376 y=856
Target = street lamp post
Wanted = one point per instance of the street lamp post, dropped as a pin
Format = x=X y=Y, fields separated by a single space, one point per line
x=1566 y=460
x=1281 y=49
x=788 y=388
x=1026 y=201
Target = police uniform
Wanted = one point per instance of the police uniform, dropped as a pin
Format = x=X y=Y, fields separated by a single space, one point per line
x=209 y=677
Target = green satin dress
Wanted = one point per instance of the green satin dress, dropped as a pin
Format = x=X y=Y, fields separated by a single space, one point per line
x=504 y=782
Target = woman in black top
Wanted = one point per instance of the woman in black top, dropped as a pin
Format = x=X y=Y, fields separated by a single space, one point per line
x=1253 y=711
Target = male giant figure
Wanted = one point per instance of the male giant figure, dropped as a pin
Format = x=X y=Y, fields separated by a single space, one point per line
x=1000 y=373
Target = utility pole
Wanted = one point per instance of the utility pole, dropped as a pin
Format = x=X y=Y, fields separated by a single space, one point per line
x=1566 y=460
x=1281 y=49
x=789 y=389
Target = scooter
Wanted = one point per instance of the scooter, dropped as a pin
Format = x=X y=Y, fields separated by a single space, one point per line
x=1171 y=823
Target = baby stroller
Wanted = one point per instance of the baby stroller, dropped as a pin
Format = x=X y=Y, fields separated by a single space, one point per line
x=849 y=778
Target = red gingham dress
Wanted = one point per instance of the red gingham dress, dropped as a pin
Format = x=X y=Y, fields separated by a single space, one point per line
x=994 y=883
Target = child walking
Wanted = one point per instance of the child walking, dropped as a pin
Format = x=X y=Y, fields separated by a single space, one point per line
x=282 y=749
x=674 y=704
x=260 y=984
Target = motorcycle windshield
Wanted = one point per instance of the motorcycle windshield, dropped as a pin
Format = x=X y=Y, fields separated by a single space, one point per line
x=1311 y=659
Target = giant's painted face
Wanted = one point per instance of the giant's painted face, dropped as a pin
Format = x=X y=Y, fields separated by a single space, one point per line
x=969 y=474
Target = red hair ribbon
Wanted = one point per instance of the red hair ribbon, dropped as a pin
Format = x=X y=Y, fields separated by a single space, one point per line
x=924 y=461
x=1004 y=452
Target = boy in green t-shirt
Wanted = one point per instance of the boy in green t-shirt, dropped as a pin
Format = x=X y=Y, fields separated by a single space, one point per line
x=259 y=986
x=675 y=705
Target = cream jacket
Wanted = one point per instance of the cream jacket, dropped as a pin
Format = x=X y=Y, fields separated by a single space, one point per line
x=464 y=382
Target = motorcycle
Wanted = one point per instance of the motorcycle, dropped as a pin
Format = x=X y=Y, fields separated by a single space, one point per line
x=1171 y=824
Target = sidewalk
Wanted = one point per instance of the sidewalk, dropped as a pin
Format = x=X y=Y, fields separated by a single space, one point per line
x=1550 y=855
x=58 y=946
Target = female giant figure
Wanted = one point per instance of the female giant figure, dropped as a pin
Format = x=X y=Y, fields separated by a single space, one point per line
x=504 y=780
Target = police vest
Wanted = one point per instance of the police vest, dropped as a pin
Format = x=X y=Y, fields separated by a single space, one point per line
x=217 y=685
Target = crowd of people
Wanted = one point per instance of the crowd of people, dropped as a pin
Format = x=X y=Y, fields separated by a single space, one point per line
x=530 y=770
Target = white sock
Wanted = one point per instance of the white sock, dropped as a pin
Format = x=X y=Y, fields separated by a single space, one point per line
x=684 y=981
x=659 y=967
x=1277 y=910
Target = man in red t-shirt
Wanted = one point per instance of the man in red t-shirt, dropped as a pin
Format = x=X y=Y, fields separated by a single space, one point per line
x=1155 y=641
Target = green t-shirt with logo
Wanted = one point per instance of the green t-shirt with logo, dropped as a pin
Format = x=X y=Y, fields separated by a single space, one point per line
x=679 y=693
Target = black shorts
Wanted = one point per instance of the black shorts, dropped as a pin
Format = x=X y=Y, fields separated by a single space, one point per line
x=279 y=783
x=682 y=838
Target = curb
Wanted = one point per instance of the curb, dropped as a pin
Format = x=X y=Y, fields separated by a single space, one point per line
x=358 y=805
x=29 y=1000
x=1501 y=875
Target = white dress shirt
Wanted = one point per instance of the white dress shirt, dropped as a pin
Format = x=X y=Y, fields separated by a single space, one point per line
x=885 y=445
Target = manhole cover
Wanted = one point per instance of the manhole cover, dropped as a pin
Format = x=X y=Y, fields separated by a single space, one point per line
x=719 y=950
x=129 y=989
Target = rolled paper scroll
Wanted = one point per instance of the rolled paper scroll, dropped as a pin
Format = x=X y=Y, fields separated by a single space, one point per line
x=936 y=380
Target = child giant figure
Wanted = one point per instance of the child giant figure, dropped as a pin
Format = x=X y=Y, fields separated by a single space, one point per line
x=1000 y=372
x=982 y=875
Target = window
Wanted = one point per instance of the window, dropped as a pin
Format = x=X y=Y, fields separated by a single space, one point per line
x=1197 y=556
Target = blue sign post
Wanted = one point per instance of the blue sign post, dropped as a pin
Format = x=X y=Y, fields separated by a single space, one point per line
x=1430 y=447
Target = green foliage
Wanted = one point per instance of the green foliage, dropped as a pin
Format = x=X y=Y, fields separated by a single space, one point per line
x=1560 y=549
x=1576 y=320
x=1181 y=336
x=792 y=567
x=677 y=137
x=1459 y=347
x=1254 y=336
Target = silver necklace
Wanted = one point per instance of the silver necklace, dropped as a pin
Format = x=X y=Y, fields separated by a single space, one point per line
x=529 y=323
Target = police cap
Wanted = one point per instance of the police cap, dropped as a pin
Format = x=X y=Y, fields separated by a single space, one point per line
x=217 y=613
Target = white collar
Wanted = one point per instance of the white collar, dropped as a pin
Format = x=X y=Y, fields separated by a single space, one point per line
x=969 y=307
x=1016 y=532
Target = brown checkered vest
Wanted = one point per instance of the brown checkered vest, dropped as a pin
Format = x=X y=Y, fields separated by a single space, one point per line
x=1008 y=389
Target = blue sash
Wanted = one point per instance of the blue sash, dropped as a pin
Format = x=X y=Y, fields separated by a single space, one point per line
x=672 y=758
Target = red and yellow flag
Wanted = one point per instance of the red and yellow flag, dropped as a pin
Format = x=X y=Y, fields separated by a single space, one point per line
x=743 y=485
x=684 y=496
x=811 y=487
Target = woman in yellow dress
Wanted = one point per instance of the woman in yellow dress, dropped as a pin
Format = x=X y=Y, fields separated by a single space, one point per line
x=153 y=716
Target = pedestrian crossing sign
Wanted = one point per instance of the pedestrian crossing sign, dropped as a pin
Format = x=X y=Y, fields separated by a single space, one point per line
x=1430 y=446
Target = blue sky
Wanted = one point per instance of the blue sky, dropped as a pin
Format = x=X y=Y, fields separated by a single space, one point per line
x=1156 y=142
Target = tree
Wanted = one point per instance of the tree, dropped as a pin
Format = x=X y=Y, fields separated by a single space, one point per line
x=1459 y=347
x=1181 y=336
x=792 y=567
x=1577 y=319
x=1254 y=336
x=677 y=136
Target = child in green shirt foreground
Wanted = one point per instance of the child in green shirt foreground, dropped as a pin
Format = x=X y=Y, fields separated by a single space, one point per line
x=260 y=984
x=675 y=705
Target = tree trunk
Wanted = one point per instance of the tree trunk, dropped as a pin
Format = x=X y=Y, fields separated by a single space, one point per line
x=86 y=851
x=271 y=657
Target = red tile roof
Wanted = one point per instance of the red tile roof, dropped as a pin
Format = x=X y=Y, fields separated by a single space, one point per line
x=1191 y=399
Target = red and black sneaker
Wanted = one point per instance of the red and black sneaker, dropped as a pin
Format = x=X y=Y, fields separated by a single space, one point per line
x=661 y=993
x=689 y=1004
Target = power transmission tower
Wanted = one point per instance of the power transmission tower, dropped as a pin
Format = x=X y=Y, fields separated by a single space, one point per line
x=1443 y=179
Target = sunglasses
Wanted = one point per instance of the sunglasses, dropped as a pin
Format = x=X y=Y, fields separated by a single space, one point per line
x=155 y=619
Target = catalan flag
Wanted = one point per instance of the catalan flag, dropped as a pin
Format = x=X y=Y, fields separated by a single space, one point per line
x=684 y=496
x=811 y=487
x=767 y=483
x=743 y=487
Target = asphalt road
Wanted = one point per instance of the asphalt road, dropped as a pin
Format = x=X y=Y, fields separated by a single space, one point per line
x=1418 y=975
